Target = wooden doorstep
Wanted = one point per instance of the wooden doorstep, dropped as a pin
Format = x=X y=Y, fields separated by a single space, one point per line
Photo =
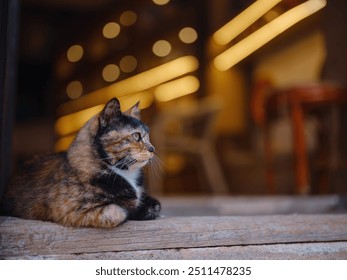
x=293 y=251
x=36 y=239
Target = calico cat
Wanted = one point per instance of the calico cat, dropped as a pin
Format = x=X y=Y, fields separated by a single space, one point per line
x=98 y=182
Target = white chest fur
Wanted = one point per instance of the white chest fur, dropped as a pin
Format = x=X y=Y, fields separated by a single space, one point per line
x=131 y=177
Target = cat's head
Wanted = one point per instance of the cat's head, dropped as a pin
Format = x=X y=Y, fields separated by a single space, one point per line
x=122 y=139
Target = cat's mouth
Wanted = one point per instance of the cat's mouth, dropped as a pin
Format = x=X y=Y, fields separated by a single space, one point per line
x=142 y=159
x=143 y=156
x=141 y=162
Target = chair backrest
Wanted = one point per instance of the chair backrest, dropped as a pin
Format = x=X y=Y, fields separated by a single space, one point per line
x=190 y=120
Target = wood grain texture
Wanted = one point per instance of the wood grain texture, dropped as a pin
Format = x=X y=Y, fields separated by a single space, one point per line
x=20 y=238
x=293 y=251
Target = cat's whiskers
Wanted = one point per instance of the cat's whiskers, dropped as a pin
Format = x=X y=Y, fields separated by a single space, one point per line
x=156 y=166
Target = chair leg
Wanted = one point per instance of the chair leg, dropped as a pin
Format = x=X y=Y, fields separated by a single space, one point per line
x=333 y=149
x=300 y=150
x=213 y=170
x=269 y=172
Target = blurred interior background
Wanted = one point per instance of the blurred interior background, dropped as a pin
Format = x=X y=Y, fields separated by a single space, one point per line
x=204 y=72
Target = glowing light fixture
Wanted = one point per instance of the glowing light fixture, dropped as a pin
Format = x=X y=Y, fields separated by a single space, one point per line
x=161 y=2
x=238 y=24
x=177 y=88
x=136 y=83
x=128 y=18
x=161 y=48
x=73 y=122
x=110 y=73
x=111 y=30
x=188 y=35
x=63 y=143
x=74 y=53
x=74 y=89
x=257 y=39
x=128 y=63
x=145 y=97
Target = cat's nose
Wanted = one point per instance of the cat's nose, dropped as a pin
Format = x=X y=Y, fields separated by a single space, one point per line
x=151 y=149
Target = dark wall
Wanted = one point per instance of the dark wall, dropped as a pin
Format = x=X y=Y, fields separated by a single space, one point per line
x=9 y=10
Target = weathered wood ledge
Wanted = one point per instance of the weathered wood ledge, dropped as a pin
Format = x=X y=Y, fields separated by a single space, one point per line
x=322 y=236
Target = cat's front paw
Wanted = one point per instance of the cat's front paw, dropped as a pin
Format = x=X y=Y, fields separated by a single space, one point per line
x=153 y=210
x=148 y=210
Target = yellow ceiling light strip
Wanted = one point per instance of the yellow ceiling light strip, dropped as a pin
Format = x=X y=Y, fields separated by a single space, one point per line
x=177 y=88
x=240 y=23
x=73 y=122
x=63 y=143
x=247 y=46
x=137 y=83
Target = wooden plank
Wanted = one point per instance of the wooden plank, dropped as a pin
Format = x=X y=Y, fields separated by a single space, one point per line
x=24 y=237
x=297 y=251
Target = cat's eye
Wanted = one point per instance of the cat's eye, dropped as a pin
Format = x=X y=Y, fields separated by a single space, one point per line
x=137 y=136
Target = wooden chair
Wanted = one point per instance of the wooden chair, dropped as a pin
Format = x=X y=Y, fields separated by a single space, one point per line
x=297 y=101
x=193 y=136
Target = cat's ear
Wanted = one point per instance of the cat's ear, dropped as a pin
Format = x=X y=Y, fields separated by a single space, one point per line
x=134 y=111
x=110 y=112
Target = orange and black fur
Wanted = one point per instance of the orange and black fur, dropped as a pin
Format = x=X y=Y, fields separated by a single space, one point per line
x=98 y=182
